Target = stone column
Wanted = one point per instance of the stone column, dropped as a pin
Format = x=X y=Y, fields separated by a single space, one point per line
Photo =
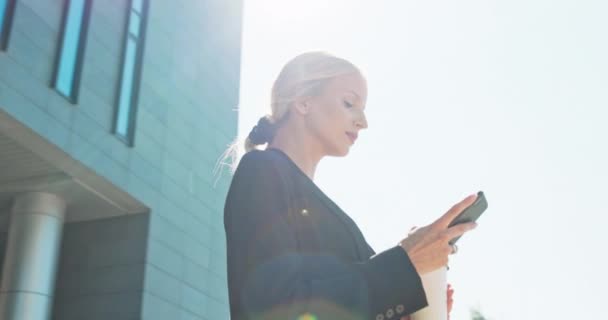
x=32 y=254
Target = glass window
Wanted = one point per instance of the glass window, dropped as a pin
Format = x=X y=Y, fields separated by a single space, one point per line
x=137 y=5
x=70 y=55
x=3 y=4
x=7 y=8
x=122 y=123
x=131 y=69
x=134 y=23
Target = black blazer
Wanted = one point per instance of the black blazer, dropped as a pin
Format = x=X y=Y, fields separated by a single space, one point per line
x=293 y=252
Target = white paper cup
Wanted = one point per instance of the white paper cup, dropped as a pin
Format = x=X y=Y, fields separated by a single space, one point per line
x=435 y=285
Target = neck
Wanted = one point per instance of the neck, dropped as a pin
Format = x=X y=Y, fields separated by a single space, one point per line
x=301 y=151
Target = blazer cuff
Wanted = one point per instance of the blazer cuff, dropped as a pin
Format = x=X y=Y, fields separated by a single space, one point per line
x=395 y=287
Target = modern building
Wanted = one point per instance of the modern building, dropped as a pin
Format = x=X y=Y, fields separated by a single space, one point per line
x=113 y=115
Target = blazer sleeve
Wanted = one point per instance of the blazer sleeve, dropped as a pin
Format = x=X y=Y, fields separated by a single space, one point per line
x=269 y=278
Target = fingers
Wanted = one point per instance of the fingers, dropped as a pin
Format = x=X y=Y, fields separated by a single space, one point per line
x=447 y=218
x=450 y=299
x=412 y=230
x=458 y=230
x=454 y=248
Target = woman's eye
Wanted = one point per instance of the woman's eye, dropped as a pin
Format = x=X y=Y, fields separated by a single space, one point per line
x=348 y=104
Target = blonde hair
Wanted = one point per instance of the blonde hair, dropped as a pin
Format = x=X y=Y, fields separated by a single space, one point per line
x=303 y=75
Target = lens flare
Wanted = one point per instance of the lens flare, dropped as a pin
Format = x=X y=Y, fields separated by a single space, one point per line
x=307 y=316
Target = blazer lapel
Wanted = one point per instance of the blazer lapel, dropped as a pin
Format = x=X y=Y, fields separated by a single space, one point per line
x=362 y=246
x=363 y=249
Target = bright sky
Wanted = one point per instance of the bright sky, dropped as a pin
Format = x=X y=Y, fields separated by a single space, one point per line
x=508 y=97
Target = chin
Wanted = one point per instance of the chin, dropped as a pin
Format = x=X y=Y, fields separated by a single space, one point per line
x=339 y=152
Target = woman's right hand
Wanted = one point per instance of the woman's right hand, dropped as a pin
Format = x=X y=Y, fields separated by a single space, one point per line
x=428 y=247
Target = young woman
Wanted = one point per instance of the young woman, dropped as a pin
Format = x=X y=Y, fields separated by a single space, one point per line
x=292 y=252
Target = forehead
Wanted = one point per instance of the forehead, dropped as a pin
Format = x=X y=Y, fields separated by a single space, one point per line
x=353 y=84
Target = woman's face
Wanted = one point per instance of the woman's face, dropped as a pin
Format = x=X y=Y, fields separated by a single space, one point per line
x=338 y=113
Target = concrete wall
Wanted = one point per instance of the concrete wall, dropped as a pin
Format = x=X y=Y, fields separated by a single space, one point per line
x=101 y=269
x=4 y=214
x=186 y=117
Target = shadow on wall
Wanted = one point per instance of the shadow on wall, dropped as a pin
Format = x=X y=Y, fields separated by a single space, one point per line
x=101 y=263
x=4 y=214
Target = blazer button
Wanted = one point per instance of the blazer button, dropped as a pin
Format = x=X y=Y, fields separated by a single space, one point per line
x=390 y=313
x=304 y=212
x=400 y=308
x=380 y=316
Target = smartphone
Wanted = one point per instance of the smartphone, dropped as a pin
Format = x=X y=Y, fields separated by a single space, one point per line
x=471 y=213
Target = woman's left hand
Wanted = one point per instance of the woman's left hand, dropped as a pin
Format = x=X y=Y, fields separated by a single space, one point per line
x=450 y=303
x=450 y=299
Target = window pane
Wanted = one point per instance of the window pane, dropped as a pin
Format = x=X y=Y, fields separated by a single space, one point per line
x=137 y=5
x=134 y=23
x=126 y=87
x=2 y=13
x=69 y=50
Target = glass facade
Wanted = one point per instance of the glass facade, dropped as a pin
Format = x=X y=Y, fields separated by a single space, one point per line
x=72 y=46
x=125 y=204
x=131 y=69
x=6 y=13
x=3 y=4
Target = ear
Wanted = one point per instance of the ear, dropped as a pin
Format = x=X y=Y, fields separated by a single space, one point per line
x=302 y=105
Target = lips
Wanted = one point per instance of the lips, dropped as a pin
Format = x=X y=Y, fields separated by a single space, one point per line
x=352 y=136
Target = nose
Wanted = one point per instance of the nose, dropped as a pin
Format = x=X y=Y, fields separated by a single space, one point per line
x=361 y=122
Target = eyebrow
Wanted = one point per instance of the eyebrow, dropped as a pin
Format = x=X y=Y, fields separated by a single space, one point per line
x=351 y=91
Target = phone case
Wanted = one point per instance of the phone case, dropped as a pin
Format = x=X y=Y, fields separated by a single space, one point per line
x=471 y=213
